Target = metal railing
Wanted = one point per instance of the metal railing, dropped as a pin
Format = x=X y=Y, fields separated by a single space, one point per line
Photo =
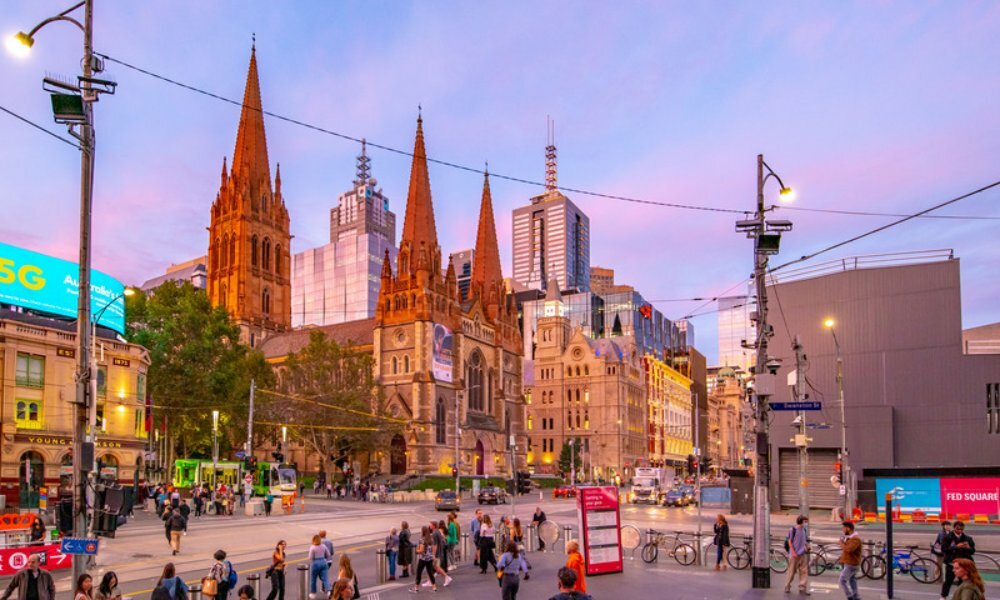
x=862 y=261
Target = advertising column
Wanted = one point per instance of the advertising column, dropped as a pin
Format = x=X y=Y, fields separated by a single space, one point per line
x=600 y=529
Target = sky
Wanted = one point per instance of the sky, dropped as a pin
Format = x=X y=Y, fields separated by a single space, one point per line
x=865 y=106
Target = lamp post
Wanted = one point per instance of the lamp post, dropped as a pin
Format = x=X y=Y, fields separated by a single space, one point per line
x=215 y=448
x=845 y=470
x=767 y=238
x=83 y=118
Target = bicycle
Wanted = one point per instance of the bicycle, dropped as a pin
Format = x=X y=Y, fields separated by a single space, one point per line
x=825 y=557
x=683 y=553
x=739 y=557
x=908 y=562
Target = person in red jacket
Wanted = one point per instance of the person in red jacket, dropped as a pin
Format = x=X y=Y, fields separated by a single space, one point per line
x=575 y=561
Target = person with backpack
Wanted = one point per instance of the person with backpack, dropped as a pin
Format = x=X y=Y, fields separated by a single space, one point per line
x=510 y=566
x=956 y=545
x=567 y=585
x=937 y=548
x=223 y=575
x=797 y=545
x=175 y=587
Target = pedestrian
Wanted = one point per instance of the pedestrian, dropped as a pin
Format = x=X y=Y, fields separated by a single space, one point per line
x=937 y=548
x=108 y=590
x=452 y=541
x=721 y=540
x=425 y=559
x=185 y=510
x=475 y=528
x=329 y=546
x=487 y=544
x=511 y=565
x=329 y=491
x=567 y=582
x=37 y=532
x=319 y=565
x=391 y=552
x=224 y=575
x=176 y=527
x=405 y=549
x=517 y=534
x=574 y=560
x=537 y=519
x=84 y=587
x=797 y=544
x=245 y=592
x=346 y=571
x=199 y=502
x=972 y=587
x=31 y=582
x=175 y=587
x=341 y=590
x=850 y=558
x=956 y=545
x=268 y=501
x=276 y=572
x=441 y=554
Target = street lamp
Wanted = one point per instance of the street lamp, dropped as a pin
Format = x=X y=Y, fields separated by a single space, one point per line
x=215 y=447
x=845 y=471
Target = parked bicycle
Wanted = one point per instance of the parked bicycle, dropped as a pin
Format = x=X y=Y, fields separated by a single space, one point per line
x=674 y=546
x=740 y=557
x=823 y=557
x=922 y=569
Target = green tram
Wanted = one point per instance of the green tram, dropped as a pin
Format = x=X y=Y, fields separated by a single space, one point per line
x=278 y=479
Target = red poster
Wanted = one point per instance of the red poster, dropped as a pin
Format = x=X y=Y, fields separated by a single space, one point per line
x=600 y=529
x=972 y=496
x=13 y=560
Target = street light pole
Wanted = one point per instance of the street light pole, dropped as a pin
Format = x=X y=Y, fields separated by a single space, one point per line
x=458 y=438
x=845 y=469
x=215 y=448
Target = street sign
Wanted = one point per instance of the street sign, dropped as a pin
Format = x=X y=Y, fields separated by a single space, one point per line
x=241 y=454
x=796 y=405
x=248 y=478
x=79 y=546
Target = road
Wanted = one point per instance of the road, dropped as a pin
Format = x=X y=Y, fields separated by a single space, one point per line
x=139 y=552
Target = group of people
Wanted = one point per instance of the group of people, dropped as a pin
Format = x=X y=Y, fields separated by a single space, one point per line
x=321 y=561
x=362 y=490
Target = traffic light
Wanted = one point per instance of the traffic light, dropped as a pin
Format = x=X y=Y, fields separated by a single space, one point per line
x=523 y=482
x=278 y=457
x=454 y=472
x=108 y=503
x=691 y=464
x=250 y=463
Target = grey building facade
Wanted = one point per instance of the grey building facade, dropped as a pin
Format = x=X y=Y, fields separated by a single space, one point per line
x=462 y=261
x=551 y=239
x=913 y=399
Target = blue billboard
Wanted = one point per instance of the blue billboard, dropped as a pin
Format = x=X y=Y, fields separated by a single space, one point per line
x=910 y=493
x=48 y=284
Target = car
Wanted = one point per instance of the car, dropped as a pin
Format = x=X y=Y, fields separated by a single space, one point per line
x=689 y=493
x=675 y=497
x=447 y=500
x=564 y=491
x=492 y=495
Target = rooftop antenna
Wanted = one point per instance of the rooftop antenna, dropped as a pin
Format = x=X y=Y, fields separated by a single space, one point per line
x=550 y=155
x=364 y=173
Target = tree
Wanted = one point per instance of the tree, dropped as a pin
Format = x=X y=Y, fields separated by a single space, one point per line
x=197 y=365
x=569 y=455
x=329 y=401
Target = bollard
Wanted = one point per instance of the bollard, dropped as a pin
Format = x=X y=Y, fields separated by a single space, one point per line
x=380 y=566
x=303 y=582
x=530 y=540
x=650 y=535
x=254 y=580
x=698 y=550
x=195 y=590
x=465 y=547
x=567 y=531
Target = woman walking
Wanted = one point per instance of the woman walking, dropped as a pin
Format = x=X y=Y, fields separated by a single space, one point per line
x=425 y=559
x=517 y=534
x=319 y=568
x=441 y=551
x=486 y=545
x=173 y=584
x=108 y=589
x=972 y=587
x=391 y=552
x=277 y=572
x=511 y=564
x=347 y=573
x=721 y=541
x=84 y=588
x=574 y=561
x=452 y=541
x=405 y=549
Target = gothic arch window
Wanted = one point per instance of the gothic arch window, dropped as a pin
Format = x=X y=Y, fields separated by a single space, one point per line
x=265 y=255
x=232 y=251
x=439 y=422
x=277 y=259
x=406 y=363
x=225 y=251
x=474 y=381
x=254 y=254
x=395 y=365
x=265 y=301
x=215 y=254
x=489 y=392
x=586 y=370
x=222 y=295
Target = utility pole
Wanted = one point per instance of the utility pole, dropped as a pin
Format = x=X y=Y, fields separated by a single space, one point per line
x=801 y=440
x=845 y=469
x=697 y=473
x=249 y=448
x=572 y=461
x=458 y=438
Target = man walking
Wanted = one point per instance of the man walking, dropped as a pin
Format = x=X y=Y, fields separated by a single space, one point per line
x=798 y=555
x=537 y=519
x=176 y=525
x=31 y=583
x=850 y=558
x=329 y=546
x=956 y=545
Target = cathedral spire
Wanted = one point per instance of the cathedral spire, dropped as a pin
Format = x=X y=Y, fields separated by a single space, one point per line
x=418 y=226
x=486 y=264
x=250 y=156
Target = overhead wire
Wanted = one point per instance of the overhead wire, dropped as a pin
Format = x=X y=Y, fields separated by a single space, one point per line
x=39 y=127
x=865 y=213
x=328 y=405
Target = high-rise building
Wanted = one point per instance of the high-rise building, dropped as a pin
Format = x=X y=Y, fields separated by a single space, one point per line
x=735 y=328
x=551 y=238
x=339 y=281
x=462 y=260
x=248 y=245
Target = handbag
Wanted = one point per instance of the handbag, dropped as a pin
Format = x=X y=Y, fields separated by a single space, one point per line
x=209 y=586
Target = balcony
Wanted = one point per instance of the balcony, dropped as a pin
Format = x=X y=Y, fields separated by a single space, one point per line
x=36 y=425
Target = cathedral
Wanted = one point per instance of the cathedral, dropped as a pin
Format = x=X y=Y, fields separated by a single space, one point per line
x=452 y=368
x=249 y=240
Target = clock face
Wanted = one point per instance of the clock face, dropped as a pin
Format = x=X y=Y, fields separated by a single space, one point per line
x=399 y=337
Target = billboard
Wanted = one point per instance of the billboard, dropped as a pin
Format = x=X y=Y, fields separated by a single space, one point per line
x=441 y=353
x=48 y=284
x=952 y=495
x=600 y=527
x=910 y=494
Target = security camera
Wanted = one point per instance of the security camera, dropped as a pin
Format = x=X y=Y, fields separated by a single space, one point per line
x=797 y=421
x=773 y=364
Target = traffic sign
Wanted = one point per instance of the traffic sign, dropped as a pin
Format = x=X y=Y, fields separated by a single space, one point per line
x=248 y=478
x=79 y=546
x=796 y=405
x=240 y=454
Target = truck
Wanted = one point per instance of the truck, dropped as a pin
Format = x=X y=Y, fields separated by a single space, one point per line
x=650 y=484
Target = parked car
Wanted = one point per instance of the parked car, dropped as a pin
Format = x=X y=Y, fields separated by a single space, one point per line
x=689 y=493
x=447 y=500
x=492 y=495
x=564 y=491
x=675 y=497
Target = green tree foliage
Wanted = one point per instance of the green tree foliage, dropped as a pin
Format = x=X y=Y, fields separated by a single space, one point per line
x=566 y=458
x=198 y=364
x=330 y=402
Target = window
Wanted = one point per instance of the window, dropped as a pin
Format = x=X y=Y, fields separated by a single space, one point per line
x=489 y=391
x=439 y=422
x=277 y=259
x=265 y=258
x=102 y=381
x=101 y=423
x=225 y=251
x=474 y=381
x=395 y=366
x=222 y=295
x=254 y=260
x=215 y=254
x=140 y=423
x=531 y=423
x=265 y=301
x=30 y=370
x=406 y=363
x=28 y=414
x=232 y=251
x=140 y=387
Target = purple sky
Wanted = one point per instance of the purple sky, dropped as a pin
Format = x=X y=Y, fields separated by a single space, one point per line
x=886 y=106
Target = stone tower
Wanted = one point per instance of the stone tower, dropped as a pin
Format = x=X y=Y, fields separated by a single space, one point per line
x=249 y=240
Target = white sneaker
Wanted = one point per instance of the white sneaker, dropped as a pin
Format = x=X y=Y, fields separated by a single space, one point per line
x=425 y=584
x=447 y=580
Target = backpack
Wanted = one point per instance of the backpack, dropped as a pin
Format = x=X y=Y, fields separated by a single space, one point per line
x=233 y=576
x=791 y=532
x=936 y=547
